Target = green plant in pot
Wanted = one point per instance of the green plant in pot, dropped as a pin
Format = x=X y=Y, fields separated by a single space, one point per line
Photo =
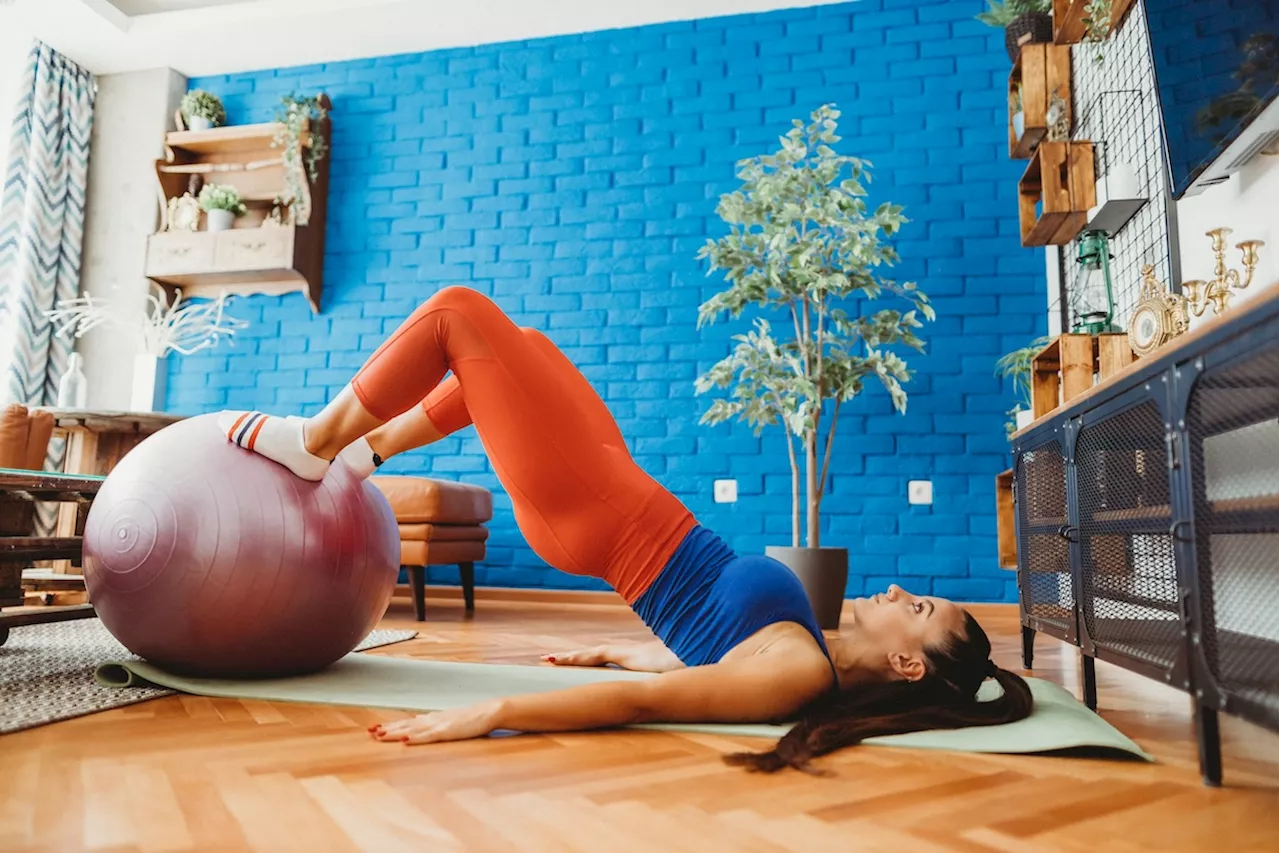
x=301 y=151
x=221 y=204
x=1016 y=365
x=1023 y=22
x=202 y=110
x=803 y=245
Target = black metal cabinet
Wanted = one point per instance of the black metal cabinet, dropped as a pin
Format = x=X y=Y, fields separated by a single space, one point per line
x=1146 y=519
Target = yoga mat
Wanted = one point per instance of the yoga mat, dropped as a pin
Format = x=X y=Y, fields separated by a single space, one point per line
x=1059 y=722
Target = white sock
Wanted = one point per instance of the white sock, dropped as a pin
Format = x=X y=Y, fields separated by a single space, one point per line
x=359 y=457
x=278 y=439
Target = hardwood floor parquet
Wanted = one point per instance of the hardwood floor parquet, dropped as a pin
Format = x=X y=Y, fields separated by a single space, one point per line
x=189 y=773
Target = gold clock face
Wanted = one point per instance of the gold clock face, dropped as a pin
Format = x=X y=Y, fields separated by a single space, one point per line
x=1148 y=327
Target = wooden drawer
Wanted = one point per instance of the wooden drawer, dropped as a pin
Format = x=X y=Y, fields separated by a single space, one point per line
x=179 y=252
x=254 y=249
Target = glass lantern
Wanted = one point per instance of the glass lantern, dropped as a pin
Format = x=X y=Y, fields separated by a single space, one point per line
x=1094 y=303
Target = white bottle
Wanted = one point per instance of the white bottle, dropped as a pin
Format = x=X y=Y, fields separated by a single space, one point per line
x=73 y=387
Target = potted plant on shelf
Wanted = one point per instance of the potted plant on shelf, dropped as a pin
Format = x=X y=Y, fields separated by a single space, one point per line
x=801 y=241
x=1016 y=365
x=202 y=110
x=221 y=204
x=301 y=152
x=1023 y=22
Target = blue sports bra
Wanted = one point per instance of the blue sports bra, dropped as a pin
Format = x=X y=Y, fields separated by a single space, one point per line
x=707 y=599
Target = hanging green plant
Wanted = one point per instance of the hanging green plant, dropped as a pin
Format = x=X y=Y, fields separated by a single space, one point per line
x=297 y=115
x=1097 y=23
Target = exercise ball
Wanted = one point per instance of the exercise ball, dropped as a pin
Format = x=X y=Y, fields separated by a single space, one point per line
x=207 y=559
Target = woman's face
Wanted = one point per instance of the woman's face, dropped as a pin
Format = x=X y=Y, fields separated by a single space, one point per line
x=901 y=626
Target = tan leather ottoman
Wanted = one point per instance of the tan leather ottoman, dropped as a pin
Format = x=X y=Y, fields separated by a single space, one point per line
x=441 y=523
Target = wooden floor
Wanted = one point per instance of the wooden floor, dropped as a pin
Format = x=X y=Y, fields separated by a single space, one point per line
x=187 y=773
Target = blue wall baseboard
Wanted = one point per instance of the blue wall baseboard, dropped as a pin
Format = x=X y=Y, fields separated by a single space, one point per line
x=574 y=179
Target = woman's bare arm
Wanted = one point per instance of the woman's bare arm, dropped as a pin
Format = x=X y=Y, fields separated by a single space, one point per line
x=756 y=689
x=640 y=657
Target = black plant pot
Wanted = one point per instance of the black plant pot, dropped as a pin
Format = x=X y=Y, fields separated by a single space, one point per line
x=1027 y=28
x=823 y=573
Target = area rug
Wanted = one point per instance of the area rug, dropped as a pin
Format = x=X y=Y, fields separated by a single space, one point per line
x=47 y=672
x=1059 y=722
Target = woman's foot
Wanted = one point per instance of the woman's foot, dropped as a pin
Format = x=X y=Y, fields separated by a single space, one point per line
x=360 y=458
x=281 y=440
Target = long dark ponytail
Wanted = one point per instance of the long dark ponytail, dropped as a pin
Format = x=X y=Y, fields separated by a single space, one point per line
x=945 y=698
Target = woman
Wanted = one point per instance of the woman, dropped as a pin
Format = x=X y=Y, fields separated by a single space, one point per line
x=738 y=641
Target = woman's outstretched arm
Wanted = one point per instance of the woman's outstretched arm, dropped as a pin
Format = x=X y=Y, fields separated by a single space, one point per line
x=759 y=689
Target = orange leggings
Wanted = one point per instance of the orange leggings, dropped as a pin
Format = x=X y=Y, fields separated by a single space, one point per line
x=579 y=499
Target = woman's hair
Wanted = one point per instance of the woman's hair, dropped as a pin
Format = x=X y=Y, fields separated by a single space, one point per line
x=945 y=698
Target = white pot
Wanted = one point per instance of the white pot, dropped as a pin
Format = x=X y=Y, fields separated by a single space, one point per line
x=1019 y=124
x=220 y=220
x=150 y=375
x=1023 y=418
x=199 y=123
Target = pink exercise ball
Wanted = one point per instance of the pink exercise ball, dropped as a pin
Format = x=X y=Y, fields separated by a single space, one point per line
x=208 y=559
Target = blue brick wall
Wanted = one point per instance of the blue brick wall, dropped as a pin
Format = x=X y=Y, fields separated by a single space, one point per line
x=574 y=178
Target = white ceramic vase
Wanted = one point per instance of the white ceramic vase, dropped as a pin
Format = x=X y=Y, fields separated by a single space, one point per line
x=1019 y=124
x=199 y=123
x=150 y=373
x=1023 y=418
x=220 y=220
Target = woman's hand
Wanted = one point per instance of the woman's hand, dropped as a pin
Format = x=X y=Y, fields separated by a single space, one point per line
x=439 y=726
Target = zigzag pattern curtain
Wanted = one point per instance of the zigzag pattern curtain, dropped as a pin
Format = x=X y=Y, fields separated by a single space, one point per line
x=42 y=222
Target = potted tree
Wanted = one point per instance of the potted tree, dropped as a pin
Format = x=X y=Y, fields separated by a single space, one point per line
x=202 y=110
x=801 y=241
x=221 y=204
x=1023 y=22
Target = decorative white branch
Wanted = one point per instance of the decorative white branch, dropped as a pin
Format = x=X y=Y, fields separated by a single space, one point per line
x=183 y=327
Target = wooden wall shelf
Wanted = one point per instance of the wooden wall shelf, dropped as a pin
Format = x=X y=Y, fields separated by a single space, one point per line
x=1042 y=70
x=1056 y=193
x=252 y=257
x=1068 y=19
x=271 y=260
x=1006 y=530
x=1066 y=366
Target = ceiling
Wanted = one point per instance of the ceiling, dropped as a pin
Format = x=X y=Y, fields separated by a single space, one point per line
x=151 y=7
x=201 y=37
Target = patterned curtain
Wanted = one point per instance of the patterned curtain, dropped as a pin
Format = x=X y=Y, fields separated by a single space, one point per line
x=42 y=222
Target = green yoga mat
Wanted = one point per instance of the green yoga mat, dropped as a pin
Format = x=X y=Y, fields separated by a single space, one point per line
x=1058 y=722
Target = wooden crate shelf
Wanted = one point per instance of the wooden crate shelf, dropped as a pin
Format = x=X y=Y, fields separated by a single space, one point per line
x=1007 y=542
x=1056 y=193
x=1066 y=367
x=1068 y=19
x=1042 y=70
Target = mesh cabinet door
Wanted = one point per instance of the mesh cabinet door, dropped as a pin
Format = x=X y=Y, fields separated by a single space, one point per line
x=1045 y=590
x=1129 y=601
x=1232 y=440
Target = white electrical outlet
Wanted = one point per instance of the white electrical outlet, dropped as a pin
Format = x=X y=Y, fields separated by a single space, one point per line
x=726 y=491
x=920 y=492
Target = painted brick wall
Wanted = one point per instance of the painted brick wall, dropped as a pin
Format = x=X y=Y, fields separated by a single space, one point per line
x=574 y=179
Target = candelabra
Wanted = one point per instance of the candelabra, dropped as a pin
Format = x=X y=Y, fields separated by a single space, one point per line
x=1217 y=291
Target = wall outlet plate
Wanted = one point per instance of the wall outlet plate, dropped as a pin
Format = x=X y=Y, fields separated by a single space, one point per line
x=726 y=491
x=920 y=492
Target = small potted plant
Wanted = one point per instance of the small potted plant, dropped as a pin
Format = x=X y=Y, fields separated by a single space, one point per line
x=1023 y=22
x=221 y=204
x=1016 y=365
x=1016 y=116
x=202 y=110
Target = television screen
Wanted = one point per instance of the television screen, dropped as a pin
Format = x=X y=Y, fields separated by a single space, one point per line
x=1216 y=71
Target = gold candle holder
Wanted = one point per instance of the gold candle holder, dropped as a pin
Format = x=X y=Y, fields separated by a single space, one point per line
x=1217 y=291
